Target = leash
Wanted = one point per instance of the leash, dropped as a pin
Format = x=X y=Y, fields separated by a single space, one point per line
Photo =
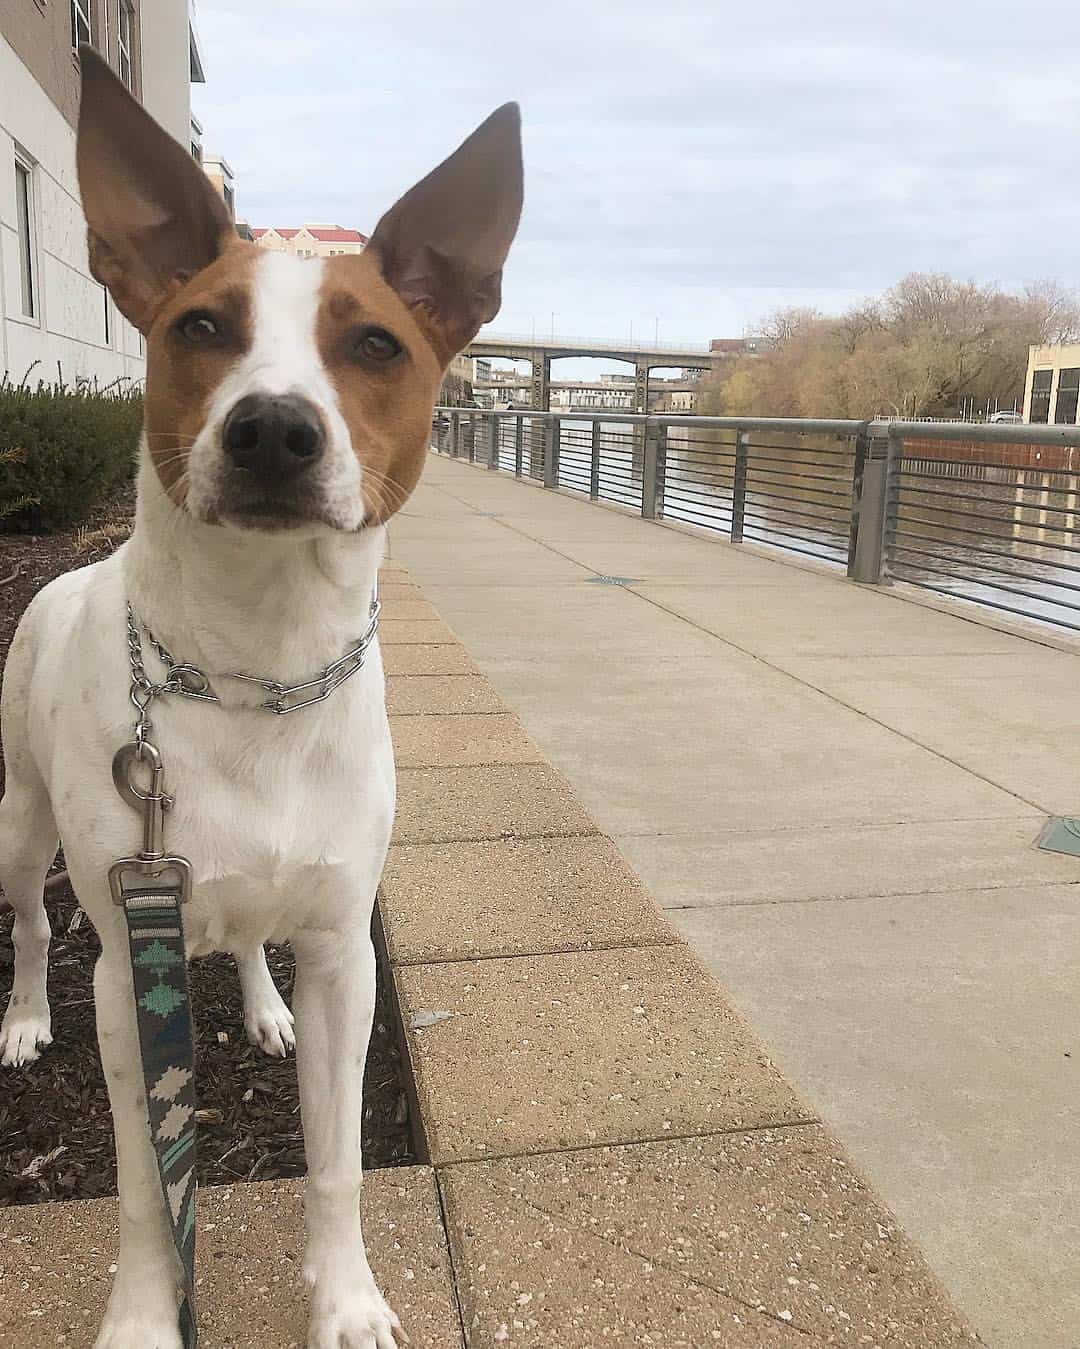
x=152 y=887
x=153 y=910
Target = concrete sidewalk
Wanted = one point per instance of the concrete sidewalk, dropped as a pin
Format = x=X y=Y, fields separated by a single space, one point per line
x=835 y=792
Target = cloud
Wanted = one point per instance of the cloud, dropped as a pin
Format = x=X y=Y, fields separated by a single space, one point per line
x=684 y=162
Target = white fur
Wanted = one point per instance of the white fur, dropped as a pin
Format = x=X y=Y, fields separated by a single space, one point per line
x=286 y=820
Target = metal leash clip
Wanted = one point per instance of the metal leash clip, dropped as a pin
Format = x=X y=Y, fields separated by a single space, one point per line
x=152 y=861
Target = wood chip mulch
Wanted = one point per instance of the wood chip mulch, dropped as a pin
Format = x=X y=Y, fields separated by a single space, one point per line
x=55 y=1128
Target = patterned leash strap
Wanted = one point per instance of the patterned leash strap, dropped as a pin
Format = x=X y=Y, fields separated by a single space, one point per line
x=152 y=887
x=163 y=1010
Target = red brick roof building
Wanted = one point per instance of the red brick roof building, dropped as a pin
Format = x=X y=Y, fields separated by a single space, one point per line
x=310 y=241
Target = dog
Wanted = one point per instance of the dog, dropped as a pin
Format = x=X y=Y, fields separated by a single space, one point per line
x=288 y=407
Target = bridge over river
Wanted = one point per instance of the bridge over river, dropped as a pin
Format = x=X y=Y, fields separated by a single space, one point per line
x=644 y=357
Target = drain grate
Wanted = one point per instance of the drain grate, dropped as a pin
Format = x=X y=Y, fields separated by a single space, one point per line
x=1062 y=835
x=612 y=580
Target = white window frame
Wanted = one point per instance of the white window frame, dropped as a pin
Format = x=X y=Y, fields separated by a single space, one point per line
x=81 y=17
x=26 y=230
x=125 y=20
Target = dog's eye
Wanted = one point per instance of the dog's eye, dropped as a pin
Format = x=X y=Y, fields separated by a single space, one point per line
x=199 y=327
x=376 y=344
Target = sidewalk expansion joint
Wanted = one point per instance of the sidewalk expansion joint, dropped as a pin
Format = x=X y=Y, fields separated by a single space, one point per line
x=804 y=1122
x=540 y=953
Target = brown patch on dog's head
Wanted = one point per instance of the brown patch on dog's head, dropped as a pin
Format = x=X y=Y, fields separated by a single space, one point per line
x=198 y=334
x=386 y=374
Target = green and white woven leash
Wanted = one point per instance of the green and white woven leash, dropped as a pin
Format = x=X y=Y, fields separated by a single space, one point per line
x=152 y=888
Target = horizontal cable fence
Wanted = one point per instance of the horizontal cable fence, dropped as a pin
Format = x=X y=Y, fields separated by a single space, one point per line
x=985 y=513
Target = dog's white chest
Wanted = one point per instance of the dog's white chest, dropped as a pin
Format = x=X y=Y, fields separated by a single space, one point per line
x=285 y=820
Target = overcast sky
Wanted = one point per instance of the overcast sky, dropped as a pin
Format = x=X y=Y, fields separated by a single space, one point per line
x=696 y=162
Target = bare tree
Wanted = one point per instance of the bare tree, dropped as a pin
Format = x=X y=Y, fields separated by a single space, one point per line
x=930 y=346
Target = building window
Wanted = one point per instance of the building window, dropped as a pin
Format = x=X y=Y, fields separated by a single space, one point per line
x=1041 y=381
x=1067 y=391
x=230 y=198
x=80 y=22
x=24 y=212
x=196 y=152
x=124 y=24
x=108 y=326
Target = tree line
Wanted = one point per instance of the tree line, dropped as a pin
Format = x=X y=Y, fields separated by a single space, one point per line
x=929 y=347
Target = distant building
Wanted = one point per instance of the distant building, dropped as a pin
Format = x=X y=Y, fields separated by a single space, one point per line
x=222 y=177
x=1053 y=384
x=311 y=241
x=54 y=317
x=733 y=346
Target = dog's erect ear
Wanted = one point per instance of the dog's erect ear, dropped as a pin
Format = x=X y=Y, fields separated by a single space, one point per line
x=152 y=215
x=443 y=245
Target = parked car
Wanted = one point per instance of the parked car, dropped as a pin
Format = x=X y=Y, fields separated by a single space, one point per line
x=1007 y=418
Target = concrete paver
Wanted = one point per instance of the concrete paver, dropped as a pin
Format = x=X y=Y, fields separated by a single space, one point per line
x=395 y=630
x=430 y=695
x=572 y=1050
x=410 y=610
x=460 y=741
x=455 y=901
x=250 y=1290
x=921 y=942
x=760 y=1233
x=446 y=658
x=437 y=805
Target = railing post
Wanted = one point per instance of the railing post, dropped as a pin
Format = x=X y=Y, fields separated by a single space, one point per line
x=661 y=468
x=594 y=461
x=519 y=444
x=870 y=506
x=738 y=487
x=472 y=438
x=493 y=442
x=551 y=456
x=862 y=441
x=652 y=478
x=455 y=434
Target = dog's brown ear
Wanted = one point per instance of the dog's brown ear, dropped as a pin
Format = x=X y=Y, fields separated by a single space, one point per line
x=152 y=216
x=443 y=245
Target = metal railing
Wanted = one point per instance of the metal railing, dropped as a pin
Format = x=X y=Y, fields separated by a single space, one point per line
x=988 y=513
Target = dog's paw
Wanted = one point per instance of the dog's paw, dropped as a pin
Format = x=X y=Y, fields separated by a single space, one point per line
x=354 y=1318
x=143 y=1310
x=135 y=1330
x=269 y=1026
x=24 y=1034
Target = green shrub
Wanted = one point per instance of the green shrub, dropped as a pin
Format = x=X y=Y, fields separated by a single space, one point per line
x=64 y=451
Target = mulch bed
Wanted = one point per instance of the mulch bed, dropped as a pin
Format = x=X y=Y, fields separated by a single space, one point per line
x=55 y=1128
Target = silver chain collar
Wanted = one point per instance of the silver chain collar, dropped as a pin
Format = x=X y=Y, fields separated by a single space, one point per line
x=191 y=682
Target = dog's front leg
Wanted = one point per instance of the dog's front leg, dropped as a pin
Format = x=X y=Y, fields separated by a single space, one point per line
x=143 y=1306
x=334 y=1005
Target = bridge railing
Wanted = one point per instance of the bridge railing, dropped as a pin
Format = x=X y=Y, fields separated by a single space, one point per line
x=988 y=513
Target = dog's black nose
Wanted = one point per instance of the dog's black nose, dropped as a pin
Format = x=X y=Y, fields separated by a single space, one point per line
x=274 y=436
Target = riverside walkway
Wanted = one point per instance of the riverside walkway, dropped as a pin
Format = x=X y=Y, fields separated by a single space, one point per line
x=834 y=790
